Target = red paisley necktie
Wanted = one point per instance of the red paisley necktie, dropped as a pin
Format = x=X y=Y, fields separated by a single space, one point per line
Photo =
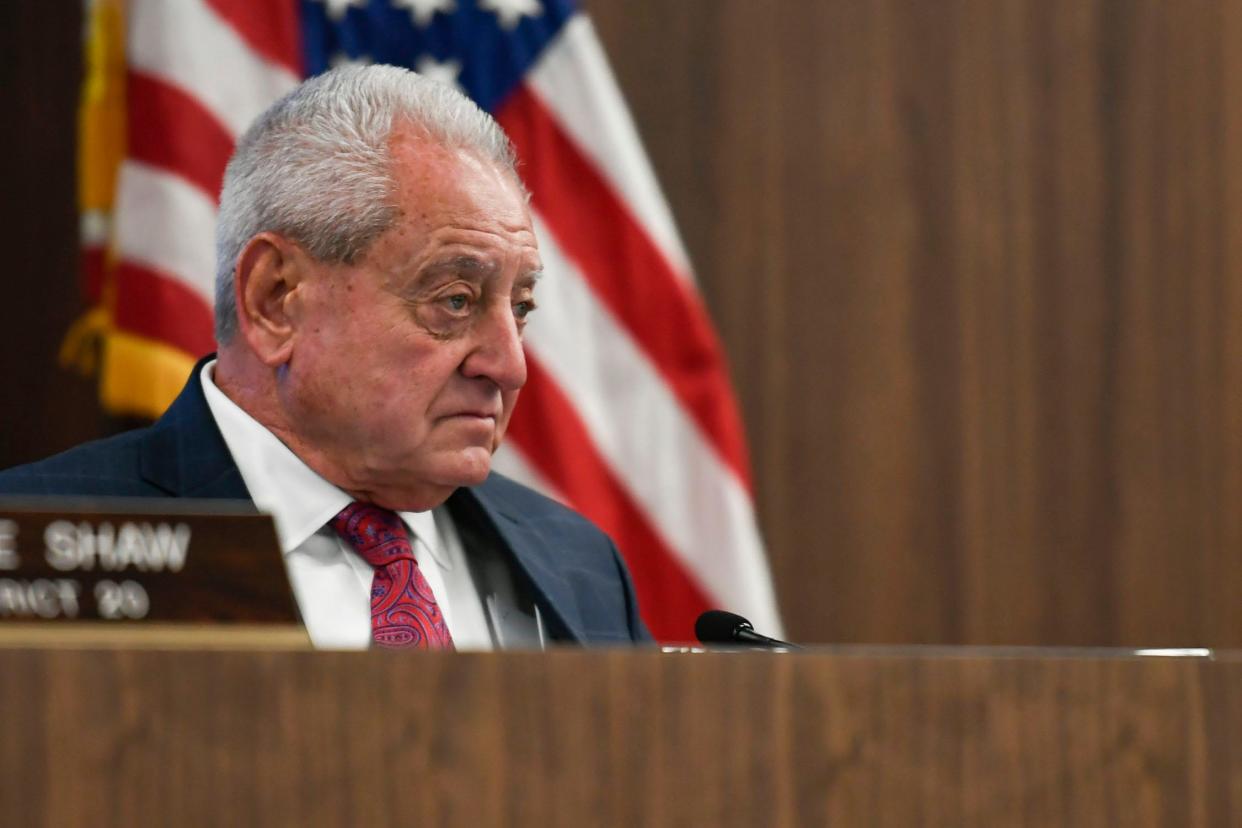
x=404 y=613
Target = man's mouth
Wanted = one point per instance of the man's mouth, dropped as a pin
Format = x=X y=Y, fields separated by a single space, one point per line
x=487 y=417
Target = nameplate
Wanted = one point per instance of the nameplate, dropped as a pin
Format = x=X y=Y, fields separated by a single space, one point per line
x=137 y=560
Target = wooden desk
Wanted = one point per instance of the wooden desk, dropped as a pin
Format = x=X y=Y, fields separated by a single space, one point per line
x=848 y=737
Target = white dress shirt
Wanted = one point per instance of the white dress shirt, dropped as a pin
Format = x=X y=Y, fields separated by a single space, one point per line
x=331 y=582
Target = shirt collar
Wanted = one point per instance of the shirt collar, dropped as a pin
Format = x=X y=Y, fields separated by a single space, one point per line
x=298 y=499
x=423 y=525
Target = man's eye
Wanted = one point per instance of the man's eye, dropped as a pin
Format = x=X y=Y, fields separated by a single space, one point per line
x=458 y=301
x=523 y=309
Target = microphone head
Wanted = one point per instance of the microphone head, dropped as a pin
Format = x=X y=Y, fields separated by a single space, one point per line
x=720 y=627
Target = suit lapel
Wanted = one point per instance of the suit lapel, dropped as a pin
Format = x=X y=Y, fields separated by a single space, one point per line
x=530 y=553
x=184 y=453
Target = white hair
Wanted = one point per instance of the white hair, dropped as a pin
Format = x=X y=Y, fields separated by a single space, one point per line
x=315 y=166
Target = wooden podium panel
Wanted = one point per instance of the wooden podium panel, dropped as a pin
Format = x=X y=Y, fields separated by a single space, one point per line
x=574 y=738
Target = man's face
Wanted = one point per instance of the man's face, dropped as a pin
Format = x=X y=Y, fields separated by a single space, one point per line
x=406 y=365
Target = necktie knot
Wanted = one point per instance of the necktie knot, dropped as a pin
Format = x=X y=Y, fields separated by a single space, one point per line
x=377 y=534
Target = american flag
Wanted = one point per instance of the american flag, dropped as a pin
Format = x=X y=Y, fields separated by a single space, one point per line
x=627 y=415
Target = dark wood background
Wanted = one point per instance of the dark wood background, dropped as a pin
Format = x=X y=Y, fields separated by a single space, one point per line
x=975 y=264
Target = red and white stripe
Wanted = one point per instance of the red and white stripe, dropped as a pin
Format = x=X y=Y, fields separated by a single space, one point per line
x=647 y=441
x=195 y=80
x=627 y=415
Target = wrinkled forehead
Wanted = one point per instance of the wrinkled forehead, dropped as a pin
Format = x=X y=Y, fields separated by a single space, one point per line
x=457 y=211
x=420 y=160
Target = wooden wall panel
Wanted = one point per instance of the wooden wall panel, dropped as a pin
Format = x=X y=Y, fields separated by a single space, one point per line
x=42 y=408
x=971 y=265
x=975 y=267
x=975 y=264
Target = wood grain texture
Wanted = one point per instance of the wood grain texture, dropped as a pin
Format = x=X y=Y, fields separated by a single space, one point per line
x=975 y=264
x=956 y=738
x=43 y=409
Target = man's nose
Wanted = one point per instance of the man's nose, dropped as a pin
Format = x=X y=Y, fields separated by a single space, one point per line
x=497 y=353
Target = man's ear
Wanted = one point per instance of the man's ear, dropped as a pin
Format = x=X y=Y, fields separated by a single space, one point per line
x=265 y=283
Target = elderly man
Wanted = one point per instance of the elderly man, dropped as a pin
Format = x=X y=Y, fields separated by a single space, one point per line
x=376 y=268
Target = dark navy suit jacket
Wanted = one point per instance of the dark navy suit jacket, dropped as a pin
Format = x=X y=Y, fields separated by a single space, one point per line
x=571 y=568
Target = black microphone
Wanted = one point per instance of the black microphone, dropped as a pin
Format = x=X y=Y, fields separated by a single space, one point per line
x=720 y=627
